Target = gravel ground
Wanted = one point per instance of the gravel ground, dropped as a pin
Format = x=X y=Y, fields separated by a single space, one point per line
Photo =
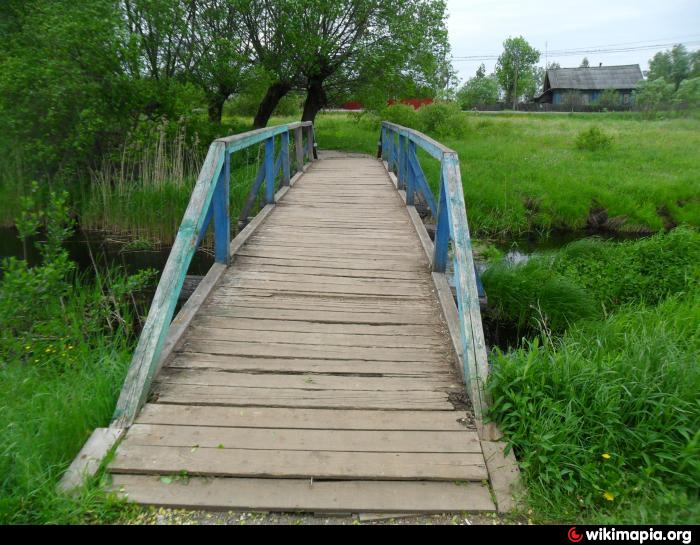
x=176 y=516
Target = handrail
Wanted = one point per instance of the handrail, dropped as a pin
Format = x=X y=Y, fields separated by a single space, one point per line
x=209 y=200
x=397 y=146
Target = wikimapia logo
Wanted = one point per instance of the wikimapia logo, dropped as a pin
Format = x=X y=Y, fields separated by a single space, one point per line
x=634 y=536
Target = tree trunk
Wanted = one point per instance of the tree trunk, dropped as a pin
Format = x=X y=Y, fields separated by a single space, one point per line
x=315 y=100
x=215 y=106
x=275 y=93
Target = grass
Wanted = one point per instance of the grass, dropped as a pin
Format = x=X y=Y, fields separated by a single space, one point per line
x=524 y=173
x=605 y=421
x=600 y=399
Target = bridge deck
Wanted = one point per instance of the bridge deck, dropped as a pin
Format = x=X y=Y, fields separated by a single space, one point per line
x=319 y=373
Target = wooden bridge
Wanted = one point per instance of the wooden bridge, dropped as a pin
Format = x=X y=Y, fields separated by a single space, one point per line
x=323 y=364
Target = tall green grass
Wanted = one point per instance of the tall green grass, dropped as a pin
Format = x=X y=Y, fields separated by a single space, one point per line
x=524 y=173
x=605 y=422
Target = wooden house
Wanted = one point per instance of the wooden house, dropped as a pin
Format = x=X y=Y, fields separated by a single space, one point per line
x=586 y=85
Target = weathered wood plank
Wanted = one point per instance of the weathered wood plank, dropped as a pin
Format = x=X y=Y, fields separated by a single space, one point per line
x=320 y=399
x=303 y=496
x=290 y=464
x=322 y=339
x=88 y=461
x=280 y=350
x=504 y=474
x=323 y=419
x=160 y=435
x=241 y=364
x=206 y=377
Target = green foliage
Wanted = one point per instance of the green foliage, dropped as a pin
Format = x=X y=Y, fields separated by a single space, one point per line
x=593 y=139
x=529 y=296
x=515 y=68
x=401 y=114
x=609 y=98
x=672 y=66
x=688 y=93
x=605 y=421
x=646 y=271
x=478 y=90
x=650 y=95
x=66 y=346
x=443 y=119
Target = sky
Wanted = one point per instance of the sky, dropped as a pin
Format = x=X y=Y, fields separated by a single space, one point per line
x=478 y=28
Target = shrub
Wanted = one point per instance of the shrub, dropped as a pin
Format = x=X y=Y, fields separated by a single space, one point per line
x=442 y=119
x=688 y=93
x=651 y=95
x=605 y=421
x=401 y=114
x=593 y=139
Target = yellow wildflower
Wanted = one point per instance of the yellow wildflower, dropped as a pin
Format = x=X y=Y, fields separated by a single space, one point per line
x=609 y=496
x=606 y=456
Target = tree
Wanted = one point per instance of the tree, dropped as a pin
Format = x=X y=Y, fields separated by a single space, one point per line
x=652 y=94
x=515 y=69
x=688 y=93
x=336 y=48
x=481 y=89
x=672 y=66
x=585 y=63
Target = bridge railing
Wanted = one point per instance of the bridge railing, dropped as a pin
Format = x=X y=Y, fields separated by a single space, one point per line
x=209 y=201
x=398 y=147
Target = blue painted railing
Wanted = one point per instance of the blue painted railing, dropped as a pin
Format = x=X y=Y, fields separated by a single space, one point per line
x=209 y=201
x=398 y=147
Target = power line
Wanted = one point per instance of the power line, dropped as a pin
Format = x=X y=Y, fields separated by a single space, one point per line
x=586 y=51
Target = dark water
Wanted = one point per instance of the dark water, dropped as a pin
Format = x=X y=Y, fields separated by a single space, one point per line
x=86 y=247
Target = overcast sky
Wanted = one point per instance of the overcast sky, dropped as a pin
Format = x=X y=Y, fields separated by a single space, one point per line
x=479 y=27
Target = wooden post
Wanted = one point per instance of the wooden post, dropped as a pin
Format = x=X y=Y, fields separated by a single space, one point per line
x=299 y=148
x=411 y=175
x=442 y=231
x=270 y=170
x=222 y=220
x=284 y=139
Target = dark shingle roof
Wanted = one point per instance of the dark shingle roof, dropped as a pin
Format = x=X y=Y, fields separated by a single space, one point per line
x=600 y=77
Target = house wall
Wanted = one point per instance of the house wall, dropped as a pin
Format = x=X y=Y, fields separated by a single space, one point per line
x=589 y=96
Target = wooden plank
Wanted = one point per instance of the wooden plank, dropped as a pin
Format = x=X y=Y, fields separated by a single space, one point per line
x=320 y=316
x=242 y=324
x=504 y=475
x=208 y=377
x=279 y=350
x=402 y=289
x=263 y=266
x=294 y=397
x=284 y=259
x=268 y=417
x=300 y=464
x=323 y=339
x=89 y=459
x=197 y=360
x=160 y=435
x=287 y=495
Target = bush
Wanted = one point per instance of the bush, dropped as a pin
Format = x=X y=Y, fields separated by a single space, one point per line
x=651 y=95
x=529 y=296
x=688 y=93
x=645 y=271
x=401 y=114
x=593 y=139
x=442 y=119
x=605 y=421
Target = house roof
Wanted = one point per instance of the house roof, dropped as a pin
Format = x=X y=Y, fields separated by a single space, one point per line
x=599 y=77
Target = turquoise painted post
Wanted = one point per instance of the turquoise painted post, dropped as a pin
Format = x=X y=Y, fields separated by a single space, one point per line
x=442 y=231
x=222 y=220
x=410 y=174
x=270 y=170
x=285 y=158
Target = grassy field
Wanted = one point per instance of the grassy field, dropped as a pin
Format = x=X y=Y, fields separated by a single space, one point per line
x=524 y=174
